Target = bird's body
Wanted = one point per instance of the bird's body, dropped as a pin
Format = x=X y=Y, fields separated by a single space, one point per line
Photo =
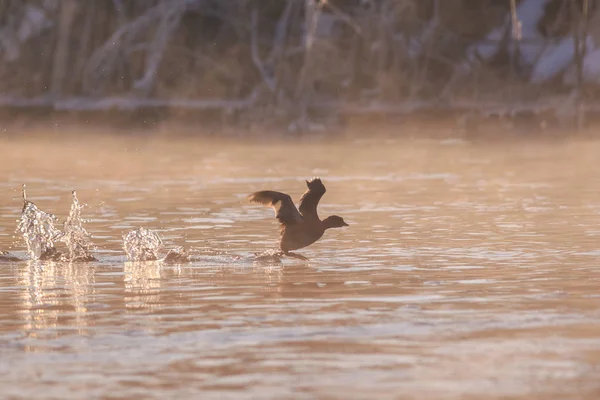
x=300 y=235
x=300 y=227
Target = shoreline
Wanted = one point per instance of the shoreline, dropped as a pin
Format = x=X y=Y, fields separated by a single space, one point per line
x=29 y=123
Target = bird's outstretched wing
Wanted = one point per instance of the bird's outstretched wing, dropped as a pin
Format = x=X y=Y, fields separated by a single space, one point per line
x=285 y=210
x=310 y=198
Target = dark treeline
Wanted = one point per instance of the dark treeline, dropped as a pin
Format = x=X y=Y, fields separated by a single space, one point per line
x=283 y=59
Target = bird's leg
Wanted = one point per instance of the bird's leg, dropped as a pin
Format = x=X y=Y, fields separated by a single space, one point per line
x=294 y=255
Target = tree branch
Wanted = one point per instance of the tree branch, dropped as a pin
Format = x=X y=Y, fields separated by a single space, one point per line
x=269 y=81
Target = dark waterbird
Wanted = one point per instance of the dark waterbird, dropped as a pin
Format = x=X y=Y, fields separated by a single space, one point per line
x=300 y=227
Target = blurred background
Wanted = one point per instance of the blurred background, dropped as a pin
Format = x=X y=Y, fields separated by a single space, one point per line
x=303 y=65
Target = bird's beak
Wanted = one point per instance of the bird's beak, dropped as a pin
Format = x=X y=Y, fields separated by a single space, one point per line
x=345 y=224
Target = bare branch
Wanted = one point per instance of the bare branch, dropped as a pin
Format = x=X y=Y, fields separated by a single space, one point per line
x=167 y=25
x=127 y=103
x=281 y=31
x=103 y=62
x=68 y=9
x=269 y=81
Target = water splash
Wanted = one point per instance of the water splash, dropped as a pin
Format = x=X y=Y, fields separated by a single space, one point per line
x=75 y=236
x=5 y=256
x=177 y=255
x=268 y=256
x=142 y=244
x=38 y=231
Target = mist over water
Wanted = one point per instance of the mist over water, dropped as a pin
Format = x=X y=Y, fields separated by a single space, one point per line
x=469 y=270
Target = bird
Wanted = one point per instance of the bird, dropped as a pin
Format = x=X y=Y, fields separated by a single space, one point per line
x=299 y=227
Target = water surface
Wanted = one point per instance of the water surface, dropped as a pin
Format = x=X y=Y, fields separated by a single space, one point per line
x=469 y=271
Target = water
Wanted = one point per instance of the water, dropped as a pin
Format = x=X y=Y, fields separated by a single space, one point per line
x=38 y=231
x=142 y=244
x=469 y=271
x=75 y=236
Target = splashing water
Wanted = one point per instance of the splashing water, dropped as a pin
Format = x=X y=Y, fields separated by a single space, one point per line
x=5 y=256
x=177 y=256
x=268 y=256
x=142 y=244
x=75 y=236
x=38 y=231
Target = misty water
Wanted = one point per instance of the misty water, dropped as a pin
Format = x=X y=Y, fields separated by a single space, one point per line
x=469 y=270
